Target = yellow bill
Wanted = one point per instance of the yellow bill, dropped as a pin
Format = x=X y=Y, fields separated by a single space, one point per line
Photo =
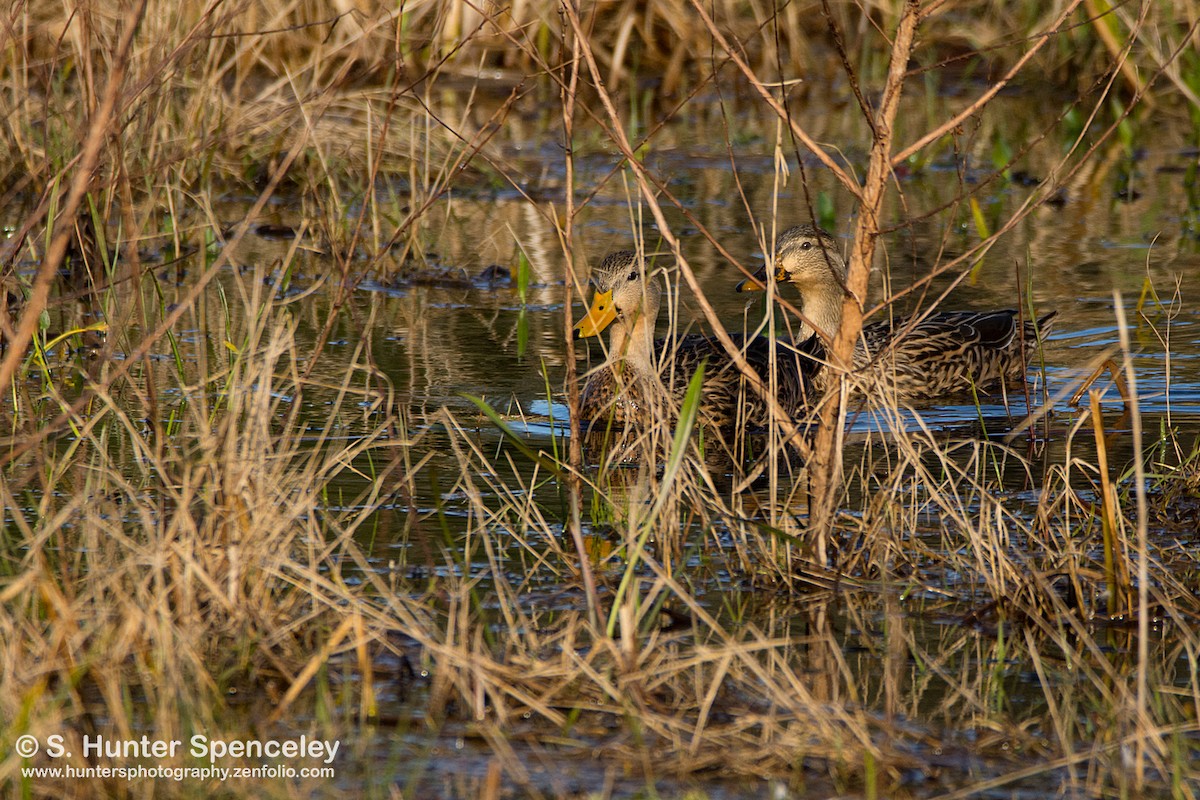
x=598 y=317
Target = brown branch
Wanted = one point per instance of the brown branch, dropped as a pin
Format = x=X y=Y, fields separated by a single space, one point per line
x=848 y=182
x=827 y=464
x=839 y=45
x=1048 y=187
x=986 y=97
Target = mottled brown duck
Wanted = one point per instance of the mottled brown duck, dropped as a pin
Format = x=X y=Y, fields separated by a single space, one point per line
x=645 y=379
x=909 y=358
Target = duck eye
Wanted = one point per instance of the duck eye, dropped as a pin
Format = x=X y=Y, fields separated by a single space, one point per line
x=806 y=246
x=633 y=275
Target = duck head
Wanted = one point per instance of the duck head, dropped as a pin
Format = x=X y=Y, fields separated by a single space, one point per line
x=621 y=294
x=807 y=257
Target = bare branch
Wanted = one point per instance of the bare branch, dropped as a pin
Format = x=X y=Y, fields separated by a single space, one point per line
x=844 y=177
x=992 y=91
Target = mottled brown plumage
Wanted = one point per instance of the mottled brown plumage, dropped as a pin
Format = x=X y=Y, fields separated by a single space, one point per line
x=645 y=379
x=911 y=358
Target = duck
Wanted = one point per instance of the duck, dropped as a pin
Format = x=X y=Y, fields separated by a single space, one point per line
x=906 y=359
x=644 y=378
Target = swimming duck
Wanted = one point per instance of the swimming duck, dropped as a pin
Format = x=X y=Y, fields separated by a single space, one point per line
x=908 y=358
x=644 y=377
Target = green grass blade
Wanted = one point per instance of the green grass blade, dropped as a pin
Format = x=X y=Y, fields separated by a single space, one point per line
x=679 y=444
x=513 y=438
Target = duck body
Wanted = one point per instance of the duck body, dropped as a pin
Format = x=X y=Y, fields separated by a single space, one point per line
x=909 y=359
x=646 y=379
x=616 y=393
x=944 y=354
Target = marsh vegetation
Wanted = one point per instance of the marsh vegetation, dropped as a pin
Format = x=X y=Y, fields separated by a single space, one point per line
x=288 y=385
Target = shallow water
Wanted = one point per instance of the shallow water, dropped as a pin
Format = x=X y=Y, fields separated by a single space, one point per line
x=1096 y=250
x=441 y=331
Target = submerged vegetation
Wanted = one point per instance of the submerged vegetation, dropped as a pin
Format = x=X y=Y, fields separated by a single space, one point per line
x=251 y=491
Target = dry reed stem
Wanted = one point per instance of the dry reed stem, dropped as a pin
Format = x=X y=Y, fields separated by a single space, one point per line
x=144 y=347
x=1116 y=571
x=646 y=185
x=89 y=157
x=827 y=466
x=1116 y=50
x=1145 y=727
x=568 y=93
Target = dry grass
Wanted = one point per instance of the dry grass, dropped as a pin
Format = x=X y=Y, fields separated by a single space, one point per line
x=190 y=528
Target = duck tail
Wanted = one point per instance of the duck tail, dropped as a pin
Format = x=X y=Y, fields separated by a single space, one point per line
x=1046 y=322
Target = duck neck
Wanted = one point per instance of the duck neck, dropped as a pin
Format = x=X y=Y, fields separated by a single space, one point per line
x=633 y=342
x=822 y=310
